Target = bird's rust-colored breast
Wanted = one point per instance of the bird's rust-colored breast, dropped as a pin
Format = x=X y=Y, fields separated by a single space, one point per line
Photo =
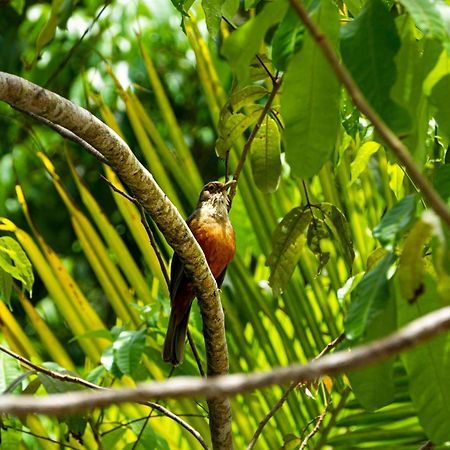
x=216 y=238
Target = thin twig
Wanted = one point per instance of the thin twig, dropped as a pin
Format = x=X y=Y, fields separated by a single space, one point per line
x=284 y=397
x=195 y=353
x=141 y=431
x=401 y=152
x=427 y=446
x=334 y=414
x=140 y=419
x=80 y=381
x=248 y=144
x=66 y=134
x=316 y=427
x=75 y=46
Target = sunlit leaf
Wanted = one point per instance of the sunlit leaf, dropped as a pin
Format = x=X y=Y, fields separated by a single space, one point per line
x=288 y=241
x=411 y=265
x=265 y=156
x=369 y=299
x=15 y=262
x=427 y=17
x=310 y=101
x=362 y=158
x=9 y=371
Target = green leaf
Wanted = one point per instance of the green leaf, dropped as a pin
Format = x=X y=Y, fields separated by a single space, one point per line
x=428 y=366
x=48 y=31
x=442 y=181
x=415 y=60
x=310 y=101
x=396 y=221
x=427 y=17
x=213 y=15
x=411 y=267
x=18 y=5
x=287 y=40
x=96 y=375
x=10 y=439
x=362 y=158
x=243 y=44
x=6 y=283
x=288 y=241
x=368 y=45
x=148 y=439
x=265 y=156
x=247 y=96
x=9 y=371
x=374 y=386
x=14 y=261
x=438 y=98
x=341 y=231
x=128 y=350
x=108 y=361
x=231 y=127
x=369 y=299
x=316 y=233
x=230 y=8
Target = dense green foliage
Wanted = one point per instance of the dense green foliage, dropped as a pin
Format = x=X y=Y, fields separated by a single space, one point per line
x=332 y=235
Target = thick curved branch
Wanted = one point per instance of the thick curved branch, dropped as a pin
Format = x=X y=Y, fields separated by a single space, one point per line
x=407 y=337
x=401 y=152
x=29 y=97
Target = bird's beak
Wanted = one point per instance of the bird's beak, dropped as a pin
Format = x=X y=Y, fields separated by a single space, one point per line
x=228 y=184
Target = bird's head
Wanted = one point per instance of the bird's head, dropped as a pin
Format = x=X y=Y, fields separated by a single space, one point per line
x=215 y=194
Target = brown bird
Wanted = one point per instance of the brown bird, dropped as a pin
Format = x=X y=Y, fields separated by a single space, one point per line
x=212 y=228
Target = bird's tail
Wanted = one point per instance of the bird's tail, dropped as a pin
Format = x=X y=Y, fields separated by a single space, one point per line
x=175 y=338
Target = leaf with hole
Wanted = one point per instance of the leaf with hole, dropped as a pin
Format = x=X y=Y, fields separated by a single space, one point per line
x=340 y=230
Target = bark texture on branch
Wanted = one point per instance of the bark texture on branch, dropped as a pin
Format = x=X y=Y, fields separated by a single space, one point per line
x=26 y=96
